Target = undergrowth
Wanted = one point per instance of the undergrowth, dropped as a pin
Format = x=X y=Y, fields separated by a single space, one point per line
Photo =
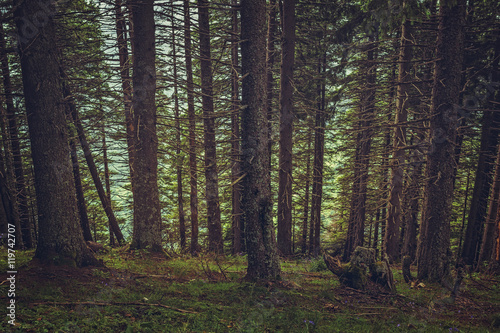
x=137 y=292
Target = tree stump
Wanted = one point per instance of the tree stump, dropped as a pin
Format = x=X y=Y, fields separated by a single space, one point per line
x=361 y=270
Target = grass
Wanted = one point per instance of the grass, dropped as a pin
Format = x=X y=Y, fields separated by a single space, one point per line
x=137 y=292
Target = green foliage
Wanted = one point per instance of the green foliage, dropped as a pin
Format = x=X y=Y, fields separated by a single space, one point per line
x=317 y=265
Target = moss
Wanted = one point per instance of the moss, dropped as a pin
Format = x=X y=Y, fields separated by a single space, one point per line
x=353 y=276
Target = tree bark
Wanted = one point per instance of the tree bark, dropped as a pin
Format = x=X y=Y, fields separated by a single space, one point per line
x=433 y=254
x=179 y=158
x=21 y=196
x=147 y=214
x=286 y=129
x=237 y=222
x=60 y=238
x=193 y=168
x=263 y=260
x=394 y=216
x=212 y=178
x=355 y=232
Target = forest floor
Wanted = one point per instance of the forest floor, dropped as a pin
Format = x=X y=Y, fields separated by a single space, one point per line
x=136 y=292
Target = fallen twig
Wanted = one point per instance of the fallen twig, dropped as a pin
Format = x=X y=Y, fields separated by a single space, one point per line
x=115 y=303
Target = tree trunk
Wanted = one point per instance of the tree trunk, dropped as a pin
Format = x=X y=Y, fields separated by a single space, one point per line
x=193 y=169
x=482 y=185
x=20 y=184
x=60 y=238
x=286 y=129
x=147 y=214
x=394 y=216
x=319 y=152
x=263 y=260
x=106 y=204
x=356 y=227
x=237 y=222
x=80 y=198
x=303 y=241
x=491 y=221
x=212 y=179
x=107 y=182
x=178 y=159
x=121 y=36
x=270 y=59
x=433 y=255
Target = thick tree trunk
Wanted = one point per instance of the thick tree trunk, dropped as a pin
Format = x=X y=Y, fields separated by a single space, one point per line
x=147 y=214
x=286 y=130
x=433 y=254
x=394 y=216
x=60 y=238
x=212 y=178
x=263 y=259
x=237 y=221
x=193 y=168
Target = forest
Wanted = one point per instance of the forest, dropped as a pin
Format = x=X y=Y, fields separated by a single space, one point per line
x=250 y=166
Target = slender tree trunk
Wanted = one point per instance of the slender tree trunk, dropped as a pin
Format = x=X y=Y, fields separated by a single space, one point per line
x=356 y=228
x=60 y=237
x=7 y=187
x=237 y=222
x=319 y=152
x=107 y=182
x=263 y=259
x=286 y=129
x=80 y=198
x=270 y=60
x=179 y=158
x=303 y=241
x=212 y=179
x=433 y=255
x=20 y=184
x=489 y=229
x=394 y=217
x=73 y=114
x=121 y=36
x=147 y=214
x=193 y=169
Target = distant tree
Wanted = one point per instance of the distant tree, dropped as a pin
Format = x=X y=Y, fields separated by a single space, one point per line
x=60 y=237
x=263 y=259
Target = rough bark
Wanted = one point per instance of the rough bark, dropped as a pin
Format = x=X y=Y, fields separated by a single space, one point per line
x=263 y=260
x=305 y=221
x=433 y=254
x=193 y=168
x=212 y=178
x=60 y=238
x=147 y=214
x=286 y=129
